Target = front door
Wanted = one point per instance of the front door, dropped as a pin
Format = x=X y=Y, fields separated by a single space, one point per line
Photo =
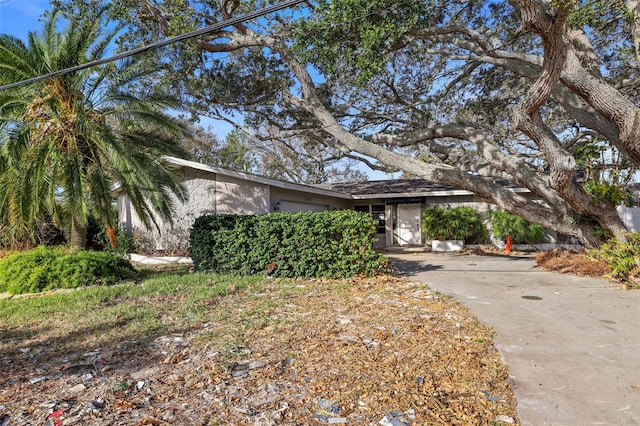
x=409 y=224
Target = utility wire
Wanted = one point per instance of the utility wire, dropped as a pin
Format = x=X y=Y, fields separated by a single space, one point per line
x=215 y=27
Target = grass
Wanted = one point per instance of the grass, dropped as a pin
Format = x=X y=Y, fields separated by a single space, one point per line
x=157 y=305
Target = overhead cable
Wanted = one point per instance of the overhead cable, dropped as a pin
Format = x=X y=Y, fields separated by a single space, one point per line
x=196 y=33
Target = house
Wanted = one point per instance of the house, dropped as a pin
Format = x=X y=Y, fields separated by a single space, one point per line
x=397 y=204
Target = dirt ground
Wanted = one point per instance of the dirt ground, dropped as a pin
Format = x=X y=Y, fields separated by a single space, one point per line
x=363 y=352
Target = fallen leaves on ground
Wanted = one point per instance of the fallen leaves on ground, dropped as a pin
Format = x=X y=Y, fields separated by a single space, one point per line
x=294 y=352
x=569 y=262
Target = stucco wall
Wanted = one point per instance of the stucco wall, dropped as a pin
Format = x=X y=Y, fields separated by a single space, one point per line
x=236 y=196
x=201 y=190
x=459 y=201
x=280 y=195
x=630 y=217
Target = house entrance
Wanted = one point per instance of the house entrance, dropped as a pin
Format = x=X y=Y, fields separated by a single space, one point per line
x=408 y=229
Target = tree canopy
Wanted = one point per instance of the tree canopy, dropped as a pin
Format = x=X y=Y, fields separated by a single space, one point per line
x=465 y=93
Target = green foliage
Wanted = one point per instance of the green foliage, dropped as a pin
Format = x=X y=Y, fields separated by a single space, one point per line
x=46 y=268
x=505 y=224
x=623 y=258
x=98 y=238
x=356 y=33
x=305 y=244
x=458 y=223
x=604 y=191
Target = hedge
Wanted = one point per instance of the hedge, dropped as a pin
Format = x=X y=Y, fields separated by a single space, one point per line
x=457 y=223
x=306 y=244
x=521 y=231
x=46 y=268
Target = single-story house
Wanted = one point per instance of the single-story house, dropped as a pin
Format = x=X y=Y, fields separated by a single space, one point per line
x=396 y=204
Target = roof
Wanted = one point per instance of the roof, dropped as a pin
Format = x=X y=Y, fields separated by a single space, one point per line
x=416 y=187
x=182 y=163
x=394 y=188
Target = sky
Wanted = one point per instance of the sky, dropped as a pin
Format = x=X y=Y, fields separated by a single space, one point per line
x=18 y=17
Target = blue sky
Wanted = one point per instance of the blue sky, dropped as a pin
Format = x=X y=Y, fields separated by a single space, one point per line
x=18 y=17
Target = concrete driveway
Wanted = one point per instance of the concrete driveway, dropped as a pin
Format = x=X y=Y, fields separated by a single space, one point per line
x=572 y=344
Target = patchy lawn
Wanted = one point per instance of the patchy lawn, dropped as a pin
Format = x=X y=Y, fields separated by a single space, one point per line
x=200 y=349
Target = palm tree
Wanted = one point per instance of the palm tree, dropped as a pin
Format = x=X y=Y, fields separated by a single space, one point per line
x=67 y=140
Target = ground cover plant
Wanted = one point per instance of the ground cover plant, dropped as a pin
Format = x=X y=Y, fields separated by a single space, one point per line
x=197 y=348
x=45 y=268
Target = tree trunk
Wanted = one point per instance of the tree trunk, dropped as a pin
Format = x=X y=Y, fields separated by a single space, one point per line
x=78 y=232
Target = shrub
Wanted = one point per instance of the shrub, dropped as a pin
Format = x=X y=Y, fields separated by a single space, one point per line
x=305 y=244
x=46 y=268
x=458 y=223
x=505 y=224
x=623 y=258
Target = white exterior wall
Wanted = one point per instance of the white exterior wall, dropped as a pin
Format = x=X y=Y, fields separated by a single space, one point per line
x=237 y=196
x=201 y=190
x=630 y=217
x=316 y=202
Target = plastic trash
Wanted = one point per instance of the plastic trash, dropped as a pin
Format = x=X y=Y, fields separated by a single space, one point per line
x=337 y=419
x=491 y=397
x=325 y=404
x=98 y=404
x=395 y=418
x=54 y=419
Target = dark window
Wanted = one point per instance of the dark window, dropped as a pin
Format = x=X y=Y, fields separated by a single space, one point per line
x=377 y=212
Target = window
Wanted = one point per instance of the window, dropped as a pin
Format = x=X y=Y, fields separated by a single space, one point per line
x=378 y=214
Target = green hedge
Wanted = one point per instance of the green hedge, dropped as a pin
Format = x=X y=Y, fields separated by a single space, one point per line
x=457 y=223
x=305 y=244
x=521 y=231
x=46 y=268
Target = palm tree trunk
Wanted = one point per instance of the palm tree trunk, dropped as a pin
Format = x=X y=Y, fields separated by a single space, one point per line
x=78 y=232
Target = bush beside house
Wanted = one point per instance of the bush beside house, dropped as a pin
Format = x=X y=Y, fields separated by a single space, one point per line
x=305 y=244
x=458 y=223
x=521 y=231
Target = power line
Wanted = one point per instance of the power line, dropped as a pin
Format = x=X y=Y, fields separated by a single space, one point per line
x=211 y=28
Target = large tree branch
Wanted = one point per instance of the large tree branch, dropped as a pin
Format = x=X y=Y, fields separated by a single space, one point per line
x=486 y=189
x=633 y=8
x=551 y=28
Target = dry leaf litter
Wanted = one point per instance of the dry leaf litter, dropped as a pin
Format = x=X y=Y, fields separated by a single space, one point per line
x=363 y=352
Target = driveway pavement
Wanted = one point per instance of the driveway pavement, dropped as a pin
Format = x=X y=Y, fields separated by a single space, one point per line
x=572 y=344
